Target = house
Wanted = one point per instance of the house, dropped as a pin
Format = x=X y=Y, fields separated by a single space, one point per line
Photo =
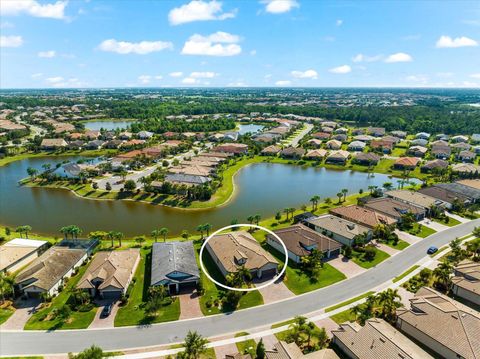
x=292 y=152
x=406 y=163
x=466 y=282
x=79 y=243
x=342 y=130
x=417 y=151
x=334 y=145
x=434 y=165
x=419 y=142
x=271 y=150
x=125 y=135
x=110 y=273
x=459 y=138
x=461 y=146
x=473 y=194
x=364 y=138
x=92 y=134
x=441 y=324
x=340 y=137
x=339 y=156
x=46 y=274
x=393 y=208
x=366 y=159
x=192 y=180
x=465 y=169
x=327 y=129
x=284 y=350
x=301 y=240
x=316 y=154
x=112 y=144
x=232 y=250
x=466 y=156
x=392 y=139
x=174 y=265
x=19 y=252
x=331 y=124
x=53 y=143
x=69 y=170
x=422 y=135
x=363 y=216
x=75 y=145
x=415 y=198
x=321 y=135
x=475 y=137
x=356 y=146
x=94 y=145
x=233 y=148
x=194 y=170
x=231 y=136
x=442 y=151
x=399 y=134
x=145 y=135
x=314 y=142
x=339 y=229
x=473 y=183
x=376 y=339
x=382 y=146
x=446 y=197
x=376 y=131
x=265 y=138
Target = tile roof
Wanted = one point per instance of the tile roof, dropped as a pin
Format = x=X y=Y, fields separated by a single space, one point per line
x=362 y=215
x=413 y=197
x=392 y=207
x=16 y=249
x=338 y=225
x=283 y=350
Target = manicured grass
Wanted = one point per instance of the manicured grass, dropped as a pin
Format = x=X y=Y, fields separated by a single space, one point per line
x=422 y=231
x=404 y=274
x=342 y=317
x=347 y=302
x=300 y=282
x=5 y=313
x=281 y=324
x=401 y=244
x=359 y=259
x=77 y=320
x=398 y=152
x=133 y=312
x=248 y=346
x=451 y=221
x=440 y=250
x=34 y=357
x=9 y=159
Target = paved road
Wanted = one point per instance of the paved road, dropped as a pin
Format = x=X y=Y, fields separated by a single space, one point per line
x=294 y=142
x=41 y=342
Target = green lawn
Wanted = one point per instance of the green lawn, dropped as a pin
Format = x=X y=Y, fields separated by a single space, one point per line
x=281 y=324
x=399 y=246
x=133 y=312
x=347 y=302
x=248 y=346
x=451 y=221
x=362 y=262
x=5 y=313
x=404 y=274
x=77 y=320
x=300 y=282
x=422 y=231
x=342 y=317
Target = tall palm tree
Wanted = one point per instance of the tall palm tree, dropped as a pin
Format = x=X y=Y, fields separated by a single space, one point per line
x=65 y=231
x=164 y=231
x=344 y=191
x=26 y=229
x=155 y=234
x=111 y=236
x=387 y=300
x=286 y=211
x=356 y=311
x=315 y=199
x=443 y=273
x=257 y=218
x=118 y=237
x=339 y=195
x=195 y=345
x=201 y=229
x=207 y=227
x=75 y=231
x=250 y=219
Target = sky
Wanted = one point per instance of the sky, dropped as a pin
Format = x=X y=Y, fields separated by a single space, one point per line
x=261 y=43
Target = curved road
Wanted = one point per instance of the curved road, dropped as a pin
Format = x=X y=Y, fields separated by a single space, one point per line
x=41 y=342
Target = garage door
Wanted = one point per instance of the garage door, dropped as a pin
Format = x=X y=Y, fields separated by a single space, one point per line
x=269 y=273
x=111 y=294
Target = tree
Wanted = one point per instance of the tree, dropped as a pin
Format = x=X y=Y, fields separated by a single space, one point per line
x=130 y=185
x=256 y=219
x=185 y=235
x=93 y=352
x=260 y=352
x=140 y=240
x=344 y=191
x=95 y=185
x=250 y=219
x=26 y=229
x=108 y=186
x=32 y=172
x=315 y=199
x=195 y=345
x=6 y=286
x=313 y=262
x=155 y=234
x=164 y=231
x=119 y=236
x=388 y=186
x=389 y=301
x=201 y=229
x=156 y=296
x=207 y=228
x=443 y=274
x=339 y=195
x=473 y=247
x=66 y=231
x=111 y=236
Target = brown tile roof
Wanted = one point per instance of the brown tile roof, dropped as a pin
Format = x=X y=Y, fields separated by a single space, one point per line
x=320 y=153
x=271 y=149
x=467 y=276
x=444 y=320
x=377 y=339
x=53 y=142
x=232 y=148
x=232 y=246
x=474 y=183
x=338 y=225
x=443 y=194
x=283 y=350
x=391 y=207
x=113 y=268
x=407 y=161
x=413 y=197
x=362 y=215
x=297 y=237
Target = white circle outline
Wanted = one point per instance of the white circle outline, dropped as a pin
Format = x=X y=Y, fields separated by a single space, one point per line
x=279 y=275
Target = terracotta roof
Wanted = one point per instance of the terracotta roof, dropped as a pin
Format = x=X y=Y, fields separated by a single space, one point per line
x=392 y=207
x=467 y=276
x=407 y=161
x=338 y=225
x=474 y=183
x=272 y=149
x=320 y=153
x=413 y=197
x=283 y=350
x=362 y=215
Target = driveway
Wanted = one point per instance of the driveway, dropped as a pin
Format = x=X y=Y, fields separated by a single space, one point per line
x=387 y=249
x=346 y=266
x=222 y=351
x=104 y=322
x=457 y=217
x=189 y=305
x=407 y=237
x=63 y=341
x=269 y=341
x=433 y=225
x=275 y=292
x=24 y=310
x=328 y=324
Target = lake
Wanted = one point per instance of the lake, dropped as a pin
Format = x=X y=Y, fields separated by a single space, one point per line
x=252 y=128
x=261 y=188
x=107 y=125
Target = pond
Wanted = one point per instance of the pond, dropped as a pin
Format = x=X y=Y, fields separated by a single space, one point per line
x=260 y=189
x=107 y=125
x=252 y=128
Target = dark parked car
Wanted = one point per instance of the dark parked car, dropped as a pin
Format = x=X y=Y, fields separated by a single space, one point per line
x=432 y=250
x=106 y=310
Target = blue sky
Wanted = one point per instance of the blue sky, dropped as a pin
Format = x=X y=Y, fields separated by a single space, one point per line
x=90 y=43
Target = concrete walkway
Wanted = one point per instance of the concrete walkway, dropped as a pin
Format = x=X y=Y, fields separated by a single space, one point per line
x=24 y=310
x=328 y=324
x=347 y=267
x=407 y=237
x=433 y=225
x=269 y=341
x=457 y=217
x=274 y=292
x=190 y=305
x=387 y=249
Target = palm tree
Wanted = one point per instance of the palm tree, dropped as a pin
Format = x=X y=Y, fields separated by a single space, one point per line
x=111 y=236
x=344 y=191
x=474 y=248
x=443 y=273
x=356 y=311
x=257 y=218
x=201 y=228
x=387 y=301
x=75 y=231
x=250 y=219
x=185 y=235
x=26 y=229
x=286 y=211
x=164 y=231
x=65 y=231
x=118 y=237
x=46 y=167
x=32 y=172
x=388 y=186
x=155 y=234
x=371 y=188
x=195 y=345
x=207 y=227
x=315 y=199
x=339 y=195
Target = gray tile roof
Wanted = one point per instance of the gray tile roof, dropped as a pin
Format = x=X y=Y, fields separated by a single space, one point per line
x=461 y=189
x=169 y=257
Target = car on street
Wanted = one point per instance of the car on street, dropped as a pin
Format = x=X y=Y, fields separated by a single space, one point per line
x=432 y=250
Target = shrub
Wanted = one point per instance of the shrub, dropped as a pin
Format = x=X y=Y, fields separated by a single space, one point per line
x=370 y=253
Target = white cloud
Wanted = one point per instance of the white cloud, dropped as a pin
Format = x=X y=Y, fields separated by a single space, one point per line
x=158 y=77
x=60 y=82
x=217 y=44
x=421 y=79
x=308 y=74
x=176 y=74
x=34 y=8
x=399 y=57
x=140 y=48
x=339 y=22
x=448 y=42
x=475 y=76
x=203 y=75
x=144 y=79
x=366 y=58
x=279 y=6
x=444 y=74
x=189 y=81
x=253 y=52
x=411 y=37
x=283 y=83
x=237 y=84
x=198 y=10
x=11 y=41
x=47 y=54
x=344 y=69
x=53 y=80
x=37 y=75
